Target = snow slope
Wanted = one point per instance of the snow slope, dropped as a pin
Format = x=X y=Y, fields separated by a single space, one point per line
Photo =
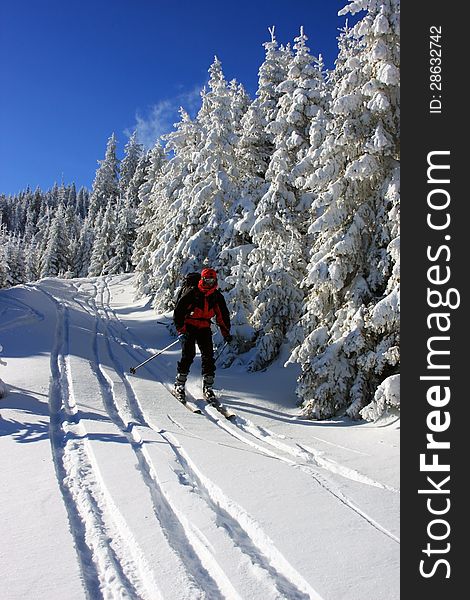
x=112 y=489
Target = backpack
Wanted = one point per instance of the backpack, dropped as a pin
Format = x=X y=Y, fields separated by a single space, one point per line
x=190 y=281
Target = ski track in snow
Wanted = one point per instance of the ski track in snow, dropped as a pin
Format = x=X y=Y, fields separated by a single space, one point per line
x=307 y=469
x=308 y=455
x=112 y=563
x=167 y=517
x=300 y=451
x=268 y=566
x=21 y=313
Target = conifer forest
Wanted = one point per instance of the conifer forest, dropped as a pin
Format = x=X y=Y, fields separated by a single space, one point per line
x=293 y=196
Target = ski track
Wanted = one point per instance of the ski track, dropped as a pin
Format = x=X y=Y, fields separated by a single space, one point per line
x=262 y=555
x=91 y=513
x=301 y=451
x=245 y=533
x=307 y=469
x=311 y=456
x=184 y=537
x=111 y=563
x=26 y=314
x=168 y=518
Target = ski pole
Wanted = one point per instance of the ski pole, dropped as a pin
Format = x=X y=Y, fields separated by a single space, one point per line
x=134 y=369
x=221 y=350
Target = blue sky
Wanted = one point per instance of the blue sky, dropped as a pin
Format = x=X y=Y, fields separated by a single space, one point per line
x=72 y=72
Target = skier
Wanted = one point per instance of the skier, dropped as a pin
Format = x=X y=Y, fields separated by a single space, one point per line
x=192 y=317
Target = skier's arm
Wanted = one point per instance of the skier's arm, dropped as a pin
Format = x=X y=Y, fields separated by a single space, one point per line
x=222 y=315
x=180 y=312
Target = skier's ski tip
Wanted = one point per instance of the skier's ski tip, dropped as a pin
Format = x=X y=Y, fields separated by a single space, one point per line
x=181 y=397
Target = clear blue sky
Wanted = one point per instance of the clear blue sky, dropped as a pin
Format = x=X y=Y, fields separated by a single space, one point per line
x=74 y=71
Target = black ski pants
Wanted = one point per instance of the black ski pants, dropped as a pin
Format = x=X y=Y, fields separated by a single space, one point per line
x=202 y=336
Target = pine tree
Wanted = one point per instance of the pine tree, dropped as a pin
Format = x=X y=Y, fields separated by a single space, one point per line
x=32 y=262
x=103 y=249
x=134 y=166
x=132 y=155
x=55 y=260
x=123 y=243
x=4 y=266
x=83 y=249
x=252 y=154
x=256 y=143
x=148 y=222
x=198 y=224
x=82 y=202
x=140 y=176
x=106 y=185
x=163 y=215
x=350 y=324
x=277 y=263
x=32 y=215
x=13 y=259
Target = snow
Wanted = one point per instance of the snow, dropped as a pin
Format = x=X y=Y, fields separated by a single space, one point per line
x=112 y=489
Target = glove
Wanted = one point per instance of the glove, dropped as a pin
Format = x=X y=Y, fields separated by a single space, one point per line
x=228 y=338
x=182 y=336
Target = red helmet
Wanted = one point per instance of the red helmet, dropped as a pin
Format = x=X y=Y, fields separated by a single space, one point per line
x=209 y=277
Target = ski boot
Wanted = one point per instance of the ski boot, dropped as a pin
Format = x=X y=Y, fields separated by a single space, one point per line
x=207 y=389
x=179 y=387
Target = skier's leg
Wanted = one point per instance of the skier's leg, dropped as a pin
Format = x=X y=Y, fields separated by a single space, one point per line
x=204 y=341
x=180 y=383
x=188 y=352
x=206 y=347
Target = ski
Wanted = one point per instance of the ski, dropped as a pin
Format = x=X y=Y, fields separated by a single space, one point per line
x=189 y=405
x=192 y=407
x=223 y=410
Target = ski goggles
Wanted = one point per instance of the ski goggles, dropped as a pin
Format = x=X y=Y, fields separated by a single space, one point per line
x=209 y=280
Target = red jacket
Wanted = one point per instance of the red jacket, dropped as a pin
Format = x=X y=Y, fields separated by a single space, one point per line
x=197 y=307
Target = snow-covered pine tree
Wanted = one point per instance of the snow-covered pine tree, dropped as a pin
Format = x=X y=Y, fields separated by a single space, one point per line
x=253 y=152
x=214 y=186
x=4 y=210
x=71 y=196
x=163 y=215
x=277 y=264
x=82 y=202
x=20 y=210
x=134 y=168
x=43 y=227
x=123 y=243
x=52 y=196
x=56 y=258
x=105 y=188
x=32 y=214
x=83 y=249
x=140 y=176
x=17 y=260
x=4 y=267
x=133 y=152
x=72 y=222
x=148 y=223
x=350 y=322
x=256 y=143
x=198 y=225
x=103 y=249
x=32 y=261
